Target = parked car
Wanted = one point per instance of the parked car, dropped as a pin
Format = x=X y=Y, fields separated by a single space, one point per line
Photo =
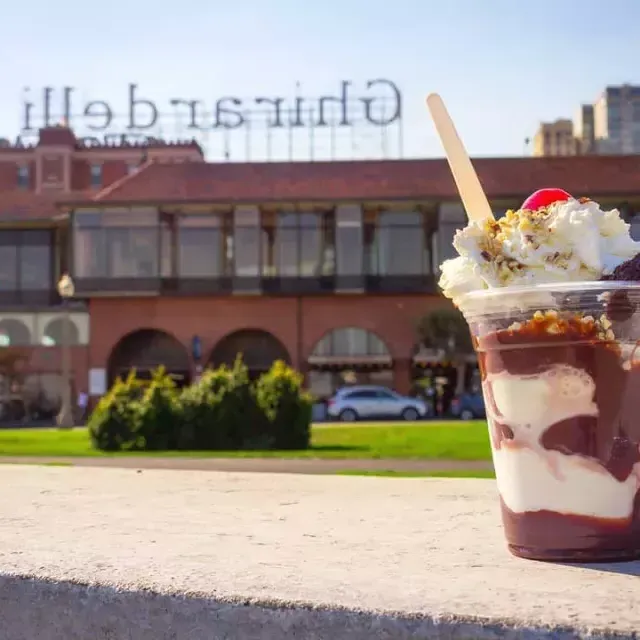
x=368 y=402
x=468 y=406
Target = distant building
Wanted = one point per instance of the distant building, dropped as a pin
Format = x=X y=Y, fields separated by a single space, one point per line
x=555 y=139
x=609 y=126
x=584 y=130
x=616 y=116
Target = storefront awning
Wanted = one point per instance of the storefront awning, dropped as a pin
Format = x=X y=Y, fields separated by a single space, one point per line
x=350 y=362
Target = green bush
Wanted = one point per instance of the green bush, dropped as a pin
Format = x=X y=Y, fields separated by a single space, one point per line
x=113 y=424
x=223 y=410
x=159 y=413
x=219 y=410
x=286 y=406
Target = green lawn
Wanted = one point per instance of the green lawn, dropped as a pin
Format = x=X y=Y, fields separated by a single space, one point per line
x=454 y=440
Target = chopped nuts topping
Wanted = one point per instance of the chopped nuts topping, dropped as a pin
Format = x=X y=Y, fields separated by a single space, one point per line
x=552 y=322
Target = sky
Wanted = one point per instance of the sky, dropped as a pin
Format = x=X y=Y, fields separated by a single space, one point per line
x=502 y=66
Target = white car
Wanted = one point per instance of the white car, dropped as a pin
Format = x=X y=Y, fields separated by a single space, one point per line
x=367 y=402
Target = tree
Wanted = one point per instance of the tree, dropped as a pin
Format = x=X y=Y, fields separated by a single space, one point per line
x=446 y=331
x=13 y=363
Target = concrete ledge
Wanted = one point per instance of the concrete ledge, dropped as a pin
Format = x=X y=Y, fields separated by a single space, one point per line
x=108 y=554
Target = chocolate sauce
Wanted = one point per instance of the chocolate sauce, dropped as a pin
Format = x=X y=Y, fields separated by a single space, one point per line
x=612 y=439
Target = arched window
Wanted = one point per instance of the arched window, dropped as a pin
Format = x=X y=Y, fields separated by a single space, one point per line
x=14 y=333
x=54 y=333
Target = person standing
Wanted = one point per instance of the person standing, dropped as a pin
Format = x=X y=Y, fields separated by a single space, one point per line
x=83 y=403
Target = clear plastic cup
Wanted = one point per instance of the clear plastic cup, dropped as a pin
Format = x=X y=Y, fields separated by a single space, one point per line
x=562 y=394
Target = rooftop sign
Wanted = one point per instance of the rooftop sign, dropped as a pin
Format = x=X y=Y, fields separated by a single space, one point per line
x=378 y=103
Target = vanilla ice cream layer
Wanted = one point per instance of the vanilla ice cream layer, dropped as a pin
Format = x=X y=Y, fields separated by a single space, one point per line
x=567 y=241
x=532 y=478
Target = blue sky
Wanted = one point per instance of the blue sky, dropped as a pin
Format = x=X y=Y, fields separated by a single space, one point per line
x=501 y=65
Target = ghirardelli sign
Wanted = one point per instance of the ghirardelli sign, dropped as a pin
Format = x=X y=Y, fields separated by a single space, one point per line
x=378 y=103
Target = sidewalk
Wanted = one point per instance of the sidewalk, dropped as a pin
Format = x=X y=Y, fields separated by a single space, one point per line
x=265 y=465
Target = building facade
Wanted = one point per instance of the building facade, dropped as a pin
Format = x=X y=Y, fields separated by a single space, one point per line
x=555 y=139
x=185 y=263
x=616 y=117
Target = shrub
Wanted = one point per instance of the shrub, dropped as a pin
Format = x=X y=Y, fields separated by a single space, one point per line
x=286 y=406
x=223 y=410
x=159 y=414
x=218 y=410
x=113 y=424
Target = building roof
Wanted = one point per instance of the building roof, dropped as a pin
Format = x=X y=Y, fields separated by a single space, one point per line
x=199 y=182
x=26 y=206
x=502 y=178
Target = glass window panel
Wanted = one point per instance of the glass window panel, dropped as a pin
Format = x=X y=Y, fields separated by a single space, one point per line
x=400 y=243
x=349 y=250
x=35 y=267
x=349 y=240
x=323 y=346
x=86 y=219
x=350 y=341
x=199 y=252
x=246 y=251
x=445 y=241
x=287 y=244
x=130 y=218
x=311 y=254
x=14 y=332
x=23 y=176
x=356 y=341
x=133 y=252
x=96 y=175
x=89 y=251
x=166 y=251
x=8 y=268
x=375 y=346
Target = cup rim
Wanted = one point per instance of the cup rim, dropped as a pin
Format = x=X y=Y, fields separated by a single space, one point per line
x=584 y=286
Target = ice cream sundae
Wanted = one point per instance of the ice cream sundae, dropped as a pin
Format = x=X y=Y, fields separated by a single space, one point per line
x=552 y=296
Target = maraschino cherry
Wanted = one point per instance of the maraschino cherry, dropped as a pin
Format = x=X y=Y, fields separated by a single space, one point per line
x=545 y=197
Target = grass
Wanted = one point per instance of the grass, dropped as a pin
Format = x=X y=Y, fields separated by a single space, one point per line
x=455 y=440
x=461 y=473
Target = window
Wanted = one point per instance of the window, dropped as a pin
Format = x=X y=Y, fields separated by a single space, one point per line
x=349 y=240
x=399 y=248
x=362 y=395
x=299 y=244
x=117 y=244
x=23 y=176
x=132 y=252
x=200 y=246
x=8 y=268
x=350 y=341
x=54 y=333
x=89 y=247
x=35 y=267
x=25 y=260
x=96 y=175
x=14 y=332
x=287 y=244
x=310 y=239
x=248 y=243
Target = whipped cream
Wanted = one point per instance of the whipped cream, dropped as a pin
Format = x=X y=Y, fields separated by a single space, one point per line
x=573 y=240
x=532 y=478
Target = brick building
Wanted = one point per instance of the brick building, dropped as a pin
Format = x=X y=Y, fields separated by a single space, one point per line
x=185 y=263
